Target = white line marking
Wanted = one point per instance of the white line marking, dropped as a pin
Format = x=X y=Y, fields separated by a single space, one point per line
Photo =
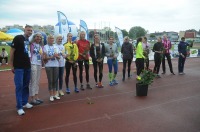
x=118 y=114
x=108 y=95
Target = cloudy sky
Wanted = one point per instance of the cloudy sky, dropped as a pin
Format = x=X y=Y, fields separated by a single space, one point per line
x=153 y=15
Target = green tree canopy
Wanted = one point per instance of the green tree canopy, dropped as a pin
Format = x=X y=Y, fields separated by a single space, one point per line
x=124 y=32
x=136 y=32
x=152 y=35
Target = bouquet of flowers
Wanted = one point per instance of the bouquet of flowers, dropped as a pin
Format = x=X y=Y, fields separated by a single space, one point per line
x=146 y=52
x=71 y=55
x=99 y=56
x=112 y=55
x=86 y=51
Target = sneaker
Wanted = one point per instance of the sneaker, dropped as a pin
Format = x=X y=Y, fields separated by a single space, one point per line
x=88 y=86
x=39 y=100
x=100 y=85
x=173 y=73
x=61 y=93
x=56 y=97
x=97 y=85
x=158 y=76
x=28 y=106
x=6 y=63
x=129 y=76
x=82 y=88
x=35 y=102
x=114 y=82
x=163 y=73
x=20 y=112
x=111 y=84
x=76 y=90
x=138 y=78
x=51 y=98
x=57 y=94
x=67 y=90
x=181 y=73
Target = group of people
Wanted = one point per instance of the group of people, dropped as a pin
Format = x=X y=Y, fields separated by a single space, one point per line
x=161 y=50
x=27 y=59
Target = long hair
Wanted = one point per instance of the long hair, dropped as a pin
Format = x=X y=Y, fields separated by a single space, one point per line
x=34 y=36
x=67 y=36
x=138 y=40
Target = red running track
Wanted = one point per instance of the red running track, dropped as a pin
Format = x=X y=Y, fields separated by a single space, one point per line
x=172 y=105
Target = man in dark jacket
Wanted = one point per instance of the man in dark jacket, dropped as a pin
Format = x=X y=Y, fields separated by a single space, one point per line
x=182 y=49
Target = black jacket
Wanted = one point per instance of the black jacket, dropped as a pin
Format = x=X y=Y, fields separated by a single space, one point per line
x=127 y=50
x=92 y=53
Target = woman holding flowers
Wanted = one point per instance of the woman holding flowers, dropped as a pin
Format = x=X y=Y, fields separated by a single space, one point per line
x=158 y=49
x=51 y=59
x=61 y=64
x=97 y=53
x=71 y=51
x=83 y=48
x=112 y=54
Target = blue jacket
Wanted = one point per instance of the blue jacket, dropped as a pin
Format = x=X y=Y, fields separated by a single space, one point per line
x=182 y=47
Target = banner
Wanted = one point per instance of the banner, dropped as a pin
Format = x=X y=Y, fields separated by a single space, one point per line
x=120 y=35
x=83 y=27
x=73 y=30
x=63 y=26
x=193 y=52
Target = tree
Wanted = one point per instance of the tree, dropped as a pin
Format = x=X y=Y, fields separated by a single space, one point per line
x=136 y=32
x=124 y=32
x=91 y=35
x=152 y=35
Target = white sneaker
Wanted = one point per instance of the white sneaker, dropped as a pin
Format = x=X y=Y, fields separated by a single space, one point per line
x=28 y=106
x=56 y=97
x=61 y=93
x=6 y=63
x=57 y=94
x=51 y=98
x=20 y=112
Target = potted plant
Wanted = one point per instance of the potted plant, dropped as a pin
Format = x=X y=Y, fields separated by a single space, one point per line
x=147 y=78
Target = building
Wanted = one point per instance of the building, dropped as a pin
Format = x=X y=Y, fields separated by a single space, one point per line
x=190 y=35
x=172 y=36
x=6 y=28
